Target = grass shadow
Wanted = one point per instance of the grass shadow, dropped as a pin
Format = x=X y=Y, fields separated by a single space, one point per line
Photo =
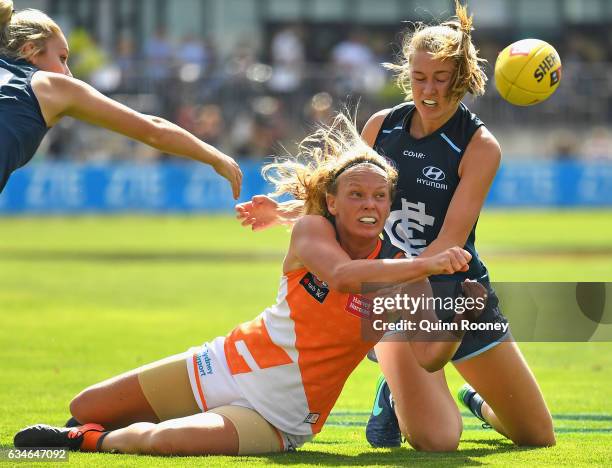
x=400 y=456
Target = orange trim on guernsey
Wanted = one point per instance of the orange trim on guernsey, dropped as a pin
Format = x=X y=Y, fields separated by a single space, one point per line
x=196 y=373
x=280 y=438
x=376 y=250
x=265 y=352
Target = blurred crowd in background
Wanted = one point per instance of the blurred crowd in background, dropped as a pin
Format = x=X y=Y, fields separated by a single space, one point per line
x=260 y=99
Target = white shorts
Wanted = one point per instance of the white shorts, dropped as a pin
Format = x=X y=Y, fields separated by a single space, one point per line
x=214 y=386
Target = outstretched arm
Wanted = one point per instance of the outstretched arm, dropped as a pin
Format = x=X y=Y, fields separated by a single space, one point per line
x=314 y=246
x=60 y=96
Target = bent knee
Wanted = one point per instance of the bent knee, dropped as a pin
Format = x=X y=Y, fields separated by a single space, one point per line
x=443 y=441
x=85 y=406
x=78 y=406
x=539 y=439
x=539 y=434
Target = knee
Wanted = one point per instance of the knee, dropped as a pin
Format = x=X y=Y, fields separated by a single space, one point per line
x=82 y=407
x=77 y=407
x=540 y=434
x=539 y=438
x=435 y=441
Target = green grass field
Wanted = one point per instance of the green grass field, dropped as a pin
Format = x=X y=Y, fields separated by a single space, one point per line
x=82 y=299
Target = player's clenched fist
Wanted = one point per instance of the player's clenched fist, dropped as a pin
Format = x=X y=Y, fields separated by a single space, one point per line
x=449 y=261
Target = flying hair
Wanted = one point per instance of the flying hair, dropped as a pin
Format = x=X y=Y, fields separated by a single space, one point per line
x=322 y=158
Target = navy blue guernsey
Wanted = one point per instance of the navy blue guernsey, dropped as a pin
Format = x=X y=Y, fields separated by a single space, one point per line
x=428 y=177
x=22 y=126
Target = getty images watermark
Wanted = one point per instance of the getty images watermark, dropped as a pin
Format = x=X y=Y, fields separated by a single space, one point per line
x=440 y=311
x=443 y=306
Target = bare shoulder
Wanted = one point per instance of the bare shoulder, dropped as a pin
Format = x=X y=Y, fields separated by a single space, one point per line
x=484 y=141
x=309 y=225
x=372 y=126
x=483 y=153
x=51 y=90
x=55 y=81
x=306 y=233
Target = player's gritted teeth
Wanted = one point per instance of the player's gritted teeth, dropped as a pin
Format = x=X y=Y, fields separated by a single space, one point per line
x=367 y=220
x=430 y=102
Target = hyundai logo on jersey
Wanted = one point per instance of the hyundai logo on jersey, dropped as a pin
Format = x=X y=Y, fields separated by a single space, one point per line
x=433 y=173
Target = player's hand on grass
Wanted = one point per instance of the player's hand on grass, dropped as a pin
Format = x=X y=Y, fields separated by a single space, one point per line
x=228 y=168
x=259 y=213
x=450 y=261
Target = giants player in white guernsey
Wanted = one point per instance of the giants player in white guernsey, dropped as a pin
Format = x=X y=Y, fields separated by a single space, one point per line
x=269 y=385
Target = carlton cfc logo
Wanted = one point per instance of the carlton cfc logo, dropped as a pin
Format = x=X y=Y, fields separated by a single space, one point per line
x=433 y=173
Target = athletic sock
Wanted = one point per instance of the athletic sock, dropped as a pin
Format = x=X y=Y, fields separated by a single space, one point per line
x=85 y=437
x=475 y=402
x=92 y=441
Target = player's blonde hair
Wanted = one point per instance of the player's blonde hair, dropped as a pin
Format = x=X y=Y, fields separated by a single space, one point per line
x=17 y=29
x=322 y=157
x=450 y=40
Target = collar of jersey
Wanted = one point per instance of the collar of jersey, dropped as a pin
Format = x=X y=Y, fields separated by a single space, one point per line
x=435 y=133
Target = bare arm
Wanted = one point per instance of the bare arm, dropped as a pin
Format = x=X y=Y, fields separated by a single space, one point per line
x=314 y=246
x=372 y=127
x=61 y=96
x=477 y=171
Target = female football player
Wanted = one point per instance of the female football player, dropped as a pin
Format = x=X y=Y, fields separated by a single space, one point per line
x=269 y=385
x=447 y=160
x=37 y=90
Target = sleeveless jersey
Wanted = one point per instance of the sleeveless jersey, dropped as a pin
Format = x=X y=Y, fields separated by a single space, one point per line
x=292 y=361
x=428 y=176
x=22 y=126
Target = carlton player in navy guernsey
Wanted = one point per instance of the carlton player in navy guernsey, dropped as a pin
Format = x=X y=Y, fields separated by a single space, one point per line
x=37 y=90
x=447 y=160
x=428 y=169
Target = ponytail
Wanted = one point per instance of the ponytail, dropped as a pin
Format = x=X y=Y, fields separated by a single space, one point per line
x=469 y=76
x=449 y=40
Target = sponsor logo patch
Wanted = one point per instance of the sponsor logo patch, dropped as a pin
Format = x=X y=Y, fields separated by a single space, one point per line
x=312 y=418
x=435 y=176
x=433 y=173
x=315 y=287
x=359 y=306
x=414 y=154
x=204 y=364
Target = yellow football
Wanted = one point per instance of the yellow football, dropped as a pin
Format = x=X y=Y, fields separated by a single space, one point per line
x=527 y=72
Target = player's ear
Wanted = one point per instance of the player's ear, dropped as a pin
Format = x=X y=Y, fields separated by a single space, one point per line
x=330 y=199
x=27 y=50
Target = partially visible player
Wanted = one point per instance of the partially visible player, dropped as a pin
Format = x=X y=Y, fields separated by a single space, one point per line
x=270 y=384
x=37 y=90
x=447 y=160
